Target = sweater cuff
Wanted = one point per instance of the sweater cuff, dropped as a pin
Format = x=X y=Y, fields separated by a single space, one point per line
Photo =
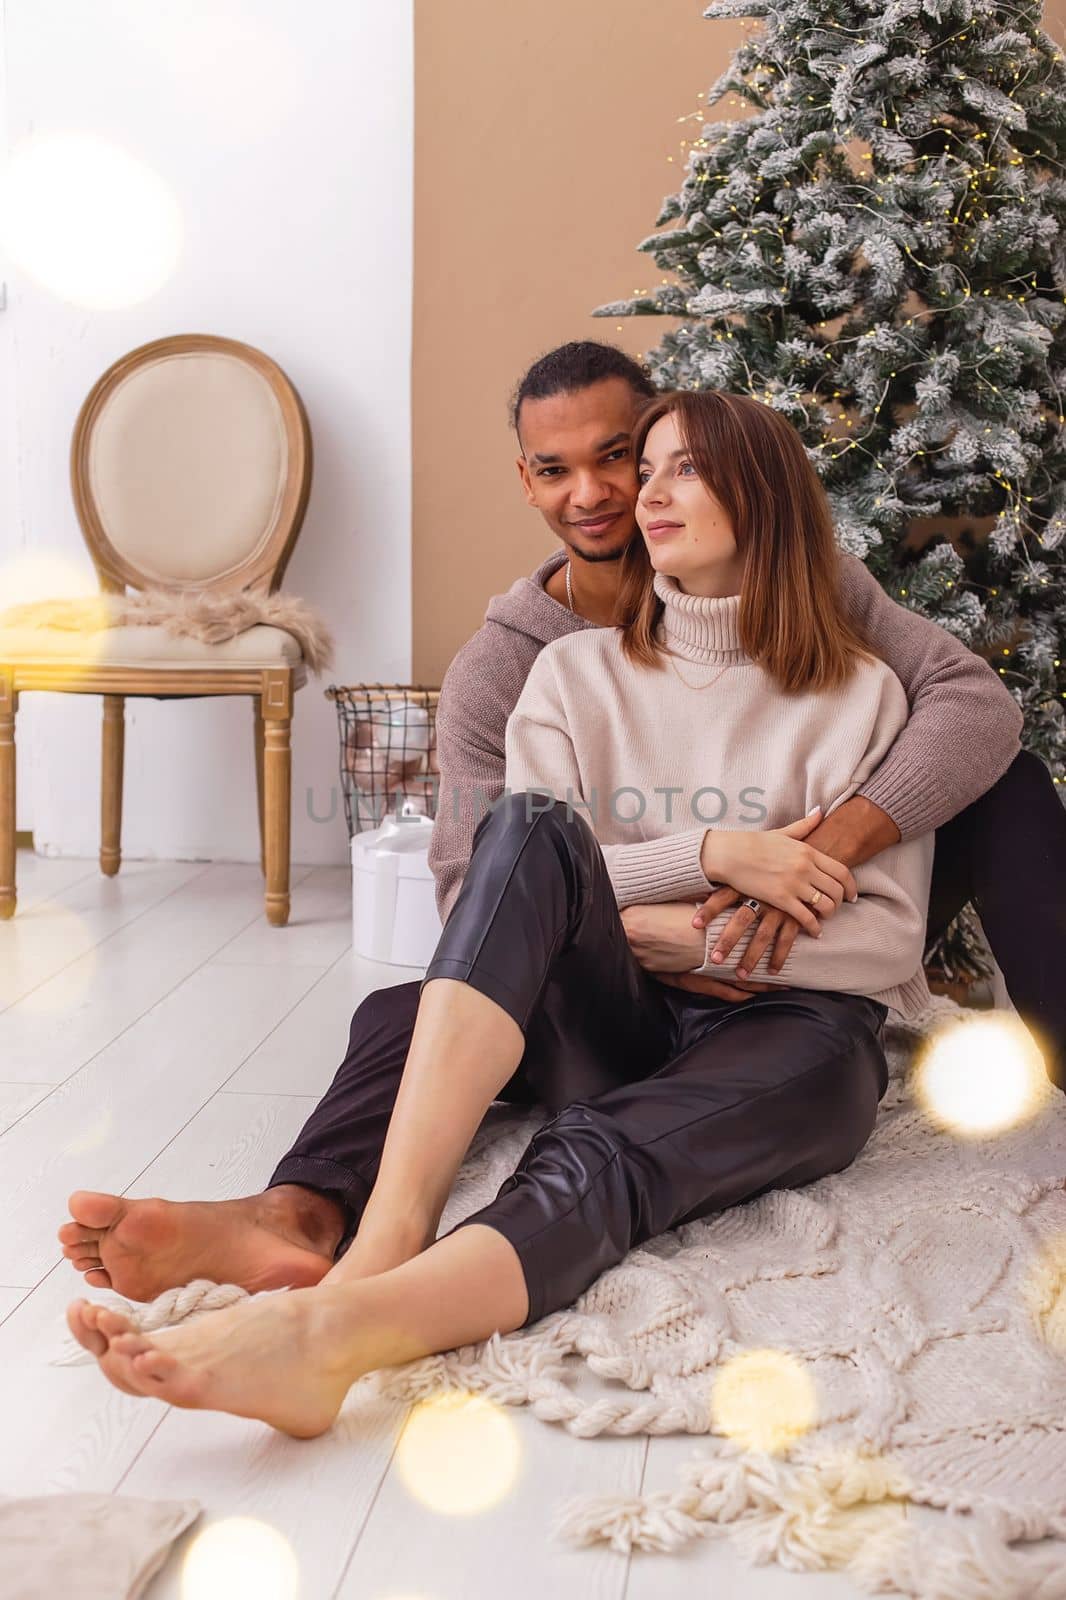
x=658 y=869
x=914 y=807
x=921 y=805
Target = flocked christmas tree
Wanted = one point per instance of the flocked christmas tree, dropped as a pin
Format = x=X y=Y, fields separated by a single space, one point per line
x=879 y=252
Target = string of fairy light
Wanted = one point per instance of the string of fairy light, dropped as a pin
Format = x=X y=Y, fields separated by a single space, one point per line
x=981 y=190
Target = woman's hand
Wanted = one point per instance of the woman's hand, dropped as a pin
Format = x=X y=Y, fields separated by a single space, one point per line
x=662 y=936
x=777 y=867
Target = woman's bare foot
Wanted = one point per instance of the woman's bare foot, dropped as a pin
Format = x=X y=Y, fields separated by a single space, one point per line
x=283 y=1237
x=286 y=1359
x=289 y=1359
x=382 y=1243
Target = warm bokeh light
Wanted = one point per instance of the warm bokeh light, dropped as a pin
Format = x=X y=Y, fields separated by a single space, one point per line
x=35 y=576
x=88 y=221
x=240 y=1556
x=862 y=1503
x=67 y=942
x=91 y=1134
x=45 y=575
x=1046 y=1294
x=459 y=1454
x=981 y=1076
x=763 y=1400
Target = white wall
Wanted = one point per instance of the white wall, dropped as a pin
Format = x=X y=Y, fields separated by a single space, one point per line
x=285 y=133
x=12 y=535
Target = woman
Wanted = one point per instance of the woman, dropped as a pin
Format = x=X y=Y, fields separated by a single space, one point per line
x=686 y=745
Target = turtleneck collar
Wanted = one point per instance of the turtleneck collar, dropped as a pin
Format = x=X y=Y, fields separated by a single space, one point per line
x=697 y=627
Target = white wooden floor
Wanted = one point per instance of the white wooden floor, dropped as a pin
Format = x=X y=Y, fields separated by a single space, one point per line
x=157 y=1037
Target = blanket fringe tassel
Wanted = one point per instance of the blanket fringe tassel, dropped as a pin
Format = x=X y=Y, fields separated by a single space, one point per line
x=846 y=1514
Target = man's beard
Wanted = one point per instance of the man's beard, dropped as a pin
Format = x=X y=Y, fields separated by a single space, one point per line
x=600 y=555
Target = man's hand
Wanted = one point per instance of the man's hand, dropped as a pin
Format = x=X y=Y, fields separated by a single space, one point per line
x=701 y=983
x=765 y=927
x=855 y=832
x=665 y=943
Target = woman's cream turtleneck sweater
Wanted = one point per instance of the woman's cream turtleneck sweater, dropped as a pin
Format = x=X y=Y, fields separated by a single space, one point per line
x=651 y=762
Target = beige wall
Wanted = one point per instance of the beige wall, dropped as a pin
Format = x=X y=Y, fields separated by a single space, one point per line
x=541 y=141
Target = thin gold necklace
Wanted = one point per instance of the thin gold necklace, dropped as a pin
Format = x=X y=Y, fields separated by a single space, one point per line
x=698 y=686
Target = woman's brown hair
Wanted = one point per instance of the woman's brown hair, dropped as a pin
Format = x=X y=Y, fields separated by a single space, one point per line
x=754 y=462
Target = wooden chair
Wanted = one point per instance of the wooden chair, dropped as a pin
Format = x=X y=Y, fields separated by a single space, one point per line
x=191 y=470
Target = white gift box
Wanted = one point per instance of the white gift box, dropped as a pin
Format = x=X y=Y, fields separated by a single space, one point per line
x=394 y=908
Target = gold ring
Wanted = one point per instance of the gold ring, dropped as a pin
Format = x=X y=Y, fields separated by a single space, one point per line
x=815 y=897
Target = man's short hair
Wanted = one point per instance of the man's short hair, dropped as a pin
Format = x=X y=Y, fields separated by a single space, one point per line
x=575 y=366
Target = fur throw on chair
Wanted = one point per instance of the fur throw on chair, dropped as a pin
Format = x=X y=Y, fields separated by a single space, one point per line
x=200 y=614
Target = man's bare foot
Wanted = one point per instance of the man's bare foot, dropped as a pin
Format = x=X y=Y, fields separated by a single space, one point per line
x=283 y=1237
x=286 y=1359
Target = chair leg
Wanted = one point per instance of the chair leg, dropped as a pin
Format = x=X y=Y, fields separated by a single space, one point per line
x=112 y=758
x=277 y=790
x=8 y=706
x=257 y=711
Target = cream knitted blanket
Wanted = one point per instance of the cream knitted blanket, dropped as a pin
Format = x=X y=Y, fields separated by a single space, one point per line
x=906 y=1319
x=195 y=615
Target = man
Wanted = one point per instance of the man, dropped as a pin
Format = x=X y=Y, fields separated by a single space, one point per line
x=956 y=767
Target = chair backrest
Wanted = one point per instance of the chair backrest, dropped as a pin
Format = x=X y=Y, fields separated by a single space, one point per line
x=191 y=467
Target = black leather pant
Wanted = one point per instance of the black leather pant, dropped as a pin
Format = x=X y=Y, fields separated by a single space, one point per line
x=1007 y=854
x=668 y=1105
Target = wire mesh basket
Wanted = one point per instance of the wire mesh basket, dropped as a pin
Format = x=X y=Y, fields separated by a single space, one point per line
x=388 y=739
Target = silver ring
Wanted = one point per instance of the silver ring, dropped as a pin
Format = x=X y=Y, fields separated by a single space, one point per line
x=754 y=904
